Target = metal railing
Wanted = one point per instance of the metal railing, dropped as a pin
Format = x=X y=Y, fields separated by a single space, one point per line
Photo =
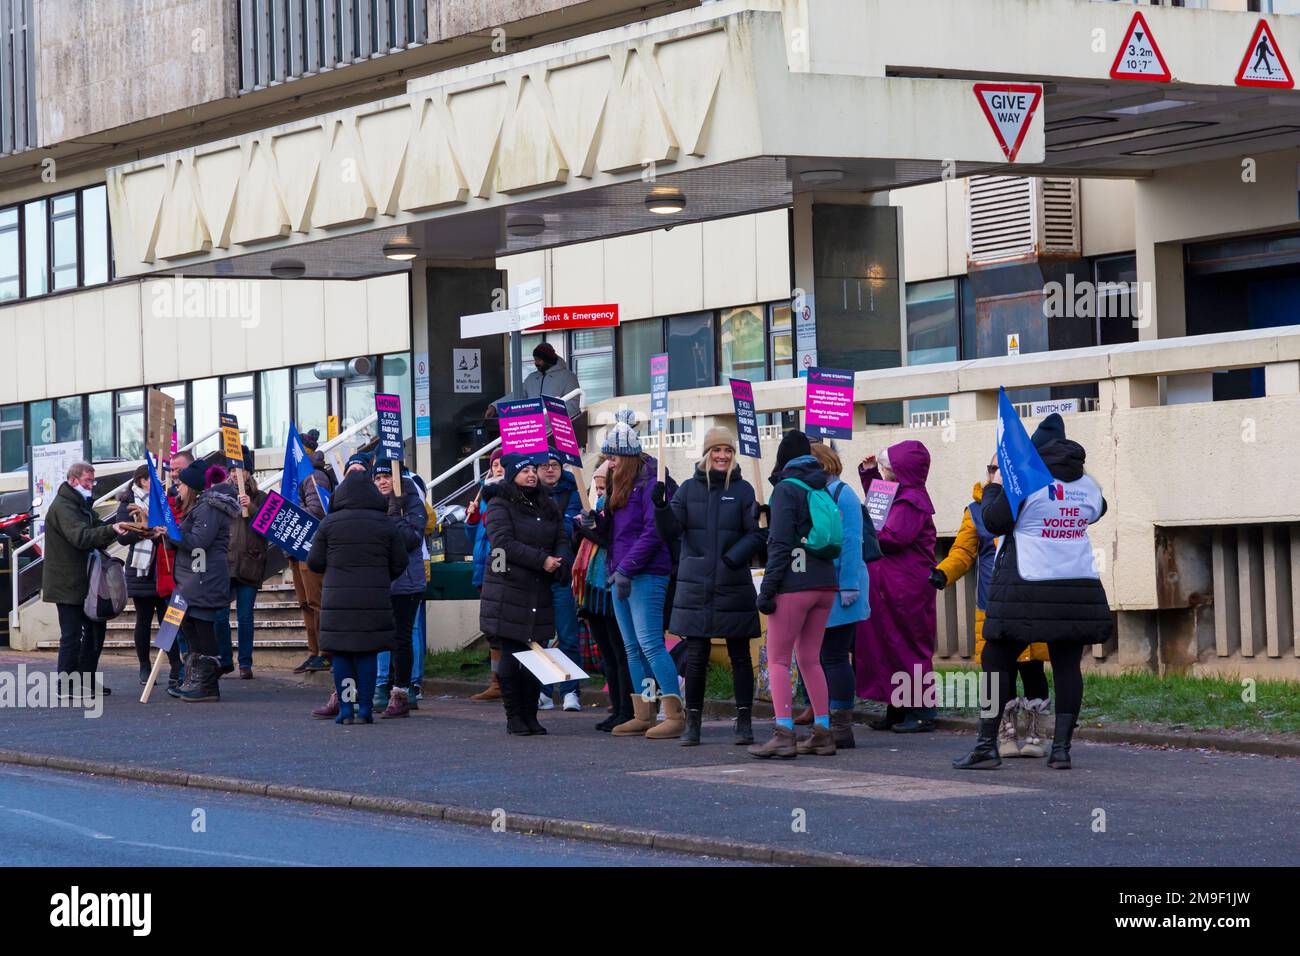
x=17 y=77
x=281 y=40
x=939 y=417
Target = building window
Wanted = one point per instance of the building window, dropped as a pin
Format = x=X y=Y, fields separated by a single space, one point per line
x=63 y=229
x=1115 y=278
x=94 y=236
x=130 y=424
x=691 y=359
x=310 y=400
x=273 y=408
x=358 y=400
x=13 y=444
x=205 y=415
x=99 y=409
x=933 y=323
x=637 y=341
x=592 y=360
x=742 y=338
x=781 y=335
x=36 y=248
x=238 y=398
x=10 y=261
x=54 y=420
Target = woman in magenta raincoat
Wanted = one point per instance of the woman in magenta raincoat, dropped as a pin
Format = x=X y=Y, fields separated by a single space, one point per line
x=899 y=635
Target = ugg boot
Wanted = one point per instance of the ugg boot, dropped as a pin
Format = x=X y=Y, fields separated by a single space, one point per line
x=782 y=744
x=842 y=729
x=492 y=691
x=331 y=708
x=674 y=721
x=398 y=706
x=1060 y=758
x=1008 y=739
x=985 y=755
x=744 y=726
x=821 y=742
x=1031 y=745
x=691 y=737
x=644 y=719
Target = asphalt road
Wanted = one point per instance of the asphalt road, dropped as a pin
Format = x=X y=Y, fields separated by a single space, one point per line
x=48 y=818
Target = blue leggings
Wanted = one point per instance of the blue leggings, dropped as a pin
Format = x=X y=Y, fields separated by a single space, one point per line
x=354 y=679
x=641 y=621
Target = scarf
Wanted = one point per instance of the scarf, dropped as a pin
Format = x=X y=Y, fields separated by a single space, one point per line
x=142 y=551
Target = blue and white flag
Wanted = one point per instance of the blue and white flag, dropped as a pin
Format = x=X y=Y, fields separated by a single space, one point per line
x=1023 y=471
x=297 y=469
x=160 y=511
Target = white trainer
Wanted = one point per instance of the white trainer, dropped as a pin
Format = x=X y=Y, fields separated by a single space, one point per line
x=544 y=702
x=571 y=701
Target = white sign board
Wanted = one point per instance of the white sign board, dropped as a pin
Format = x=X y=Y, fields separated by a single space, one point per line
x=50 y=464
x=527 y=293
x=805 y=333
x=1013 y=343
x=467 y=371
x=1064 y=406
x=420 y=379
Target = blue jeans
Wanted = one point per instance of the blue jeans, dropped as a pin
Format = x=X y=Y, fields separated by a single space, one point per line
x=641 y=621
x=360 y=669
x=418 y=645
x=245 y=598
x=566 y=629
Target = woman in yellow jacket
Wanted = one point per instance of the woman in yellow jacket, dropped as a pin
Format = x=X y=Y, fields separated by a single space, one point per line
x=975 y=548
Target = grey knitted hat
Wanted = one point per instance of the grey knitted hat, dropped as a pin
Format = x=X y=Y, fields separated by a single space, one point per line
x=621 y=438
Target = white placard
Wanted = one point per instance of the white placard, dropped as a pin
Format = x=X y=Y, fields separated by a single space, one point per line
x=544 y=670
x=1063 y=406
x=50 y=464
x=467 y=371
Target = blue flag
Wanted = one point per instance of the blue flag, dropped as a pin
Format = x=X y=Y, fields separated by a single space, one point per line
x=1023 y=471
x=297 y=469
x=160 y=511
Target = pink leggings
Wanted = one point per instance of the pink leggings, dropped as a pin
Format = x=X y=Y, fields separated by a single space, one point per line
x=798 y=624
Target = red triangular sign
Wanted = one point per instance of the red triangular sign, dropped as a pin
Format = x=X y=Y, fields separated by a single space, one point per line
x=1010 y=108
x=1263 y=64
x=1139 y=56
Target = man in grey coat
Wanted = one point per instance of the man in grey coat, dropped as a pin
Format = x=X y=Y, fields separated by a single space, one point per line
x=553 y=377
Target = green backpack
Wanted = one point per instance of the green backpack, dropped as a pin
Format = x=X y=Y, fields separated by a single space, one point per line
x=826 y=536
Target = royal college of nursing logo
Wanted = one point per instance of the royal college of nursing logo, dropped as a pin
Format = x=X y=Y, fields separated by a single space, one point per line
x=1056 y=491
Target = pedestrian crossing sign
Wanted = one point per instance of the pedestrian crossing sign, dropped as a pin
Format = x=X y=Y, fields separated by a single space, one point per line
x=1139 y=56
x=1263 y=64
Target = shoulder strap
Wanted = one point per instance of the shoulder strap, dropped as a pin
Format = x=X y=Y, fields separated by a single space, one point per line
x=835 y=495
x=796 y=481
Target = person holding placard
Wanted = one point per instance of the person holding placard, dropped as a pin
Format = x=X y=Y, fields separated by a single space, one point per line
x=248 y=552
x=148 y=568
x=562 y=488
x=1045 y=587
x=359 y=552
x=530 y=553
x=474 y=516
x=713 y=515
x=203 y=576
x=898 y=638
x=406 y=512
x=640 y=566
x=306 y=583
x=799 y=587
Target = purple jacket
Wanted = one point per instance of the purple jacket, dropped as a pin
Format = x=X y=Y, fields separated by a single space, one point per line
x=637 y=547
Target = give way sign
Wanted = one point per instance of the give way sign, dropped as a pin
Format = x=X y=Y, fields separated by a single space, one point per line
x=1009 y=108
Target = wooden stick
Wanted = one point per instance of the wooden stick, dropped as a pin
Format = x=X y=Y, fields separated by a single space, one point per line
x=396 y=486
x=153 y=676
x=239 y=481
x=581 y=479
x=663 y=450
x=563 y=674
x=756 y=466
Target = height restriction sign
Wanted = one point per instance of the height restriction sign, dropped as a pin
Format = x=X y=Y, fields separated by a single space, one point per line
x=1263 y=64
x=1010 y=108
x=1139 y=56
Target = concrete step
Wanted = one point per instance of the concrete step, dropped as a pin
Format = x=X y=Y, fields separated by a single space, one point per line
x=268 y=613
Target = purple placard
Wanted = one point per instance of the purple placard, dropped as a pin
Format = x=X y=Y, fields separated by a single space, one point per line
x=566 y=442
x=287 y=526
x=829 y=403
x=388 y=408
x=523 y=427
x=659 y=392
x=742 y=397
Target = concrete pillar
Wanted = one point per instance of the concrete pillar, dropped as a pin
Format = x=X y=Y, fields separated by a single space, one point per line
x=1277 y=591
x=1250 y=581
x=1131 y=392
x=1227 y=604
x=1137 y=642
x=973 y=406
x=1282 y=378
x=1160 y=274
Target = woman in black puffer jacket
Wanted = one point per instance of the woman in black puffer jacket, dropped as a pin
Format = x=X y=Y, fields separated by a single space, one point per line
x=714 y=517
x=530 y=552
x=360 y=552
x=1045 y=587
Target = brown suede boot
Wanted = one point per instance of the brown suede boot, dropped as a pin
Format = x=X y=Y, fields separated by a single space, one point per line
x=805 y=718
x=491 y=692
x=643 y=721
x=821 y=742
x=782 y=745
x=842 y=729
x=674 y=721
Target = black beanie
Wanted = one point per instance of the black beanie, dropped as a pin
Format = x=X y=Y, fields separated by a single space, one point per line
x=1052 y=429
x=194 y=474
x=793 y=444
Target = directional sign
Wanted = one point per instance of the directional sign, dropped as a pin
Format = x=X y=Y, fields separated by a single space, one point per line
x=581 y=317
x=1263 y=64
x=1139 y=56
x=1010 y=108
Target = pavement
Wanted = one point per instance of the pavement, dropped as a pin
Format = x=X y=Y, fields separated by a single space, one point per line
x=48 y=818
x=894 y=799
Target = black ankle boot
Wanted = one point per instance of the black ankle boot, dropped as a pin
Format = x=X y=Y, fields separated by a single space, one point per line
x=985 y=755
x=691 y=735
x=893 y=715
x=1060 y=757
x=744 y=726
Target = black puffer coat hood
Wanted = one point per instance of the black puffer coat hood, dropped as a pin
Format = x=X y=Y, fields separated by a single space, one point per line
x=525 y=527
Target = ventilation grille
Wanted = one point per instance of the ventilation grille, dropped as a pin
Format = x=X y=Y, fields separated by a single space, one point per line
x=1001 y=217
x=1059 y=205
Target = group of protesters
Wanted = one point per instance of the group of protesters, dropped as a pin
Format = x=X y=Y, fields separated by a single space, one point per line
x=647 y=565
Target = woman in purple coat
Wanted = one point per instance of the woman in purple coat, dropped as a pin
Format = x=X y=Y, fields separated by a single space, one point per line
x=899 y=635
x=640 y=566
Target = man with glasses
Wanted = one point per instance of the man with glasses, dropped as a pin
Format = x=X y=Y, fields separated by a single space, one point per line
x=72 y=532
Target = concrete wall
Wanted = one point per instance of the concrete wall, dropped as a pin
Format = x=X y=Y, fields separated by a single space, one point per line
x=131 y=334
x=107 y=63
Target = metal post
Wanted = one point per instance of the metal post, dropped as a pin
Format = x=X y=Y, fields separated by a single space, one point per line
x=516 y=361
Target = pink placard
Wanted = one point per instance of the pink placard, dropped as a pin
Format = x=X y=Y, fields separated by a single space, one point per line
x=829 y=403
x=523 y=427
x=566 y=442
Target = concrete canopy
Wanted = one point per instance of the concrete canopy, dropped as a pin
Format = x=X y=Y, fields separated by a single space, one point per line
x=734 y=104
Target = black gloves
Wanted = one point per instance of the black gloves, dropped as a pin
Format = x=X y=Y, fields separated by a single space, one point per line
x=938 y=579
x=622 y=586
x=761 y=512
x=659 y=495
x=766 y=604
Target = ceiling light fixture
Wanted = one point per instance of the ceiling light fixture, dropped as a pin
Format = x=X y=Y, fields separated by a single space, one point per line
x=287 y=269
x=526 y=225
x=401 y=249
x=819 y=176
x=665 y=201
